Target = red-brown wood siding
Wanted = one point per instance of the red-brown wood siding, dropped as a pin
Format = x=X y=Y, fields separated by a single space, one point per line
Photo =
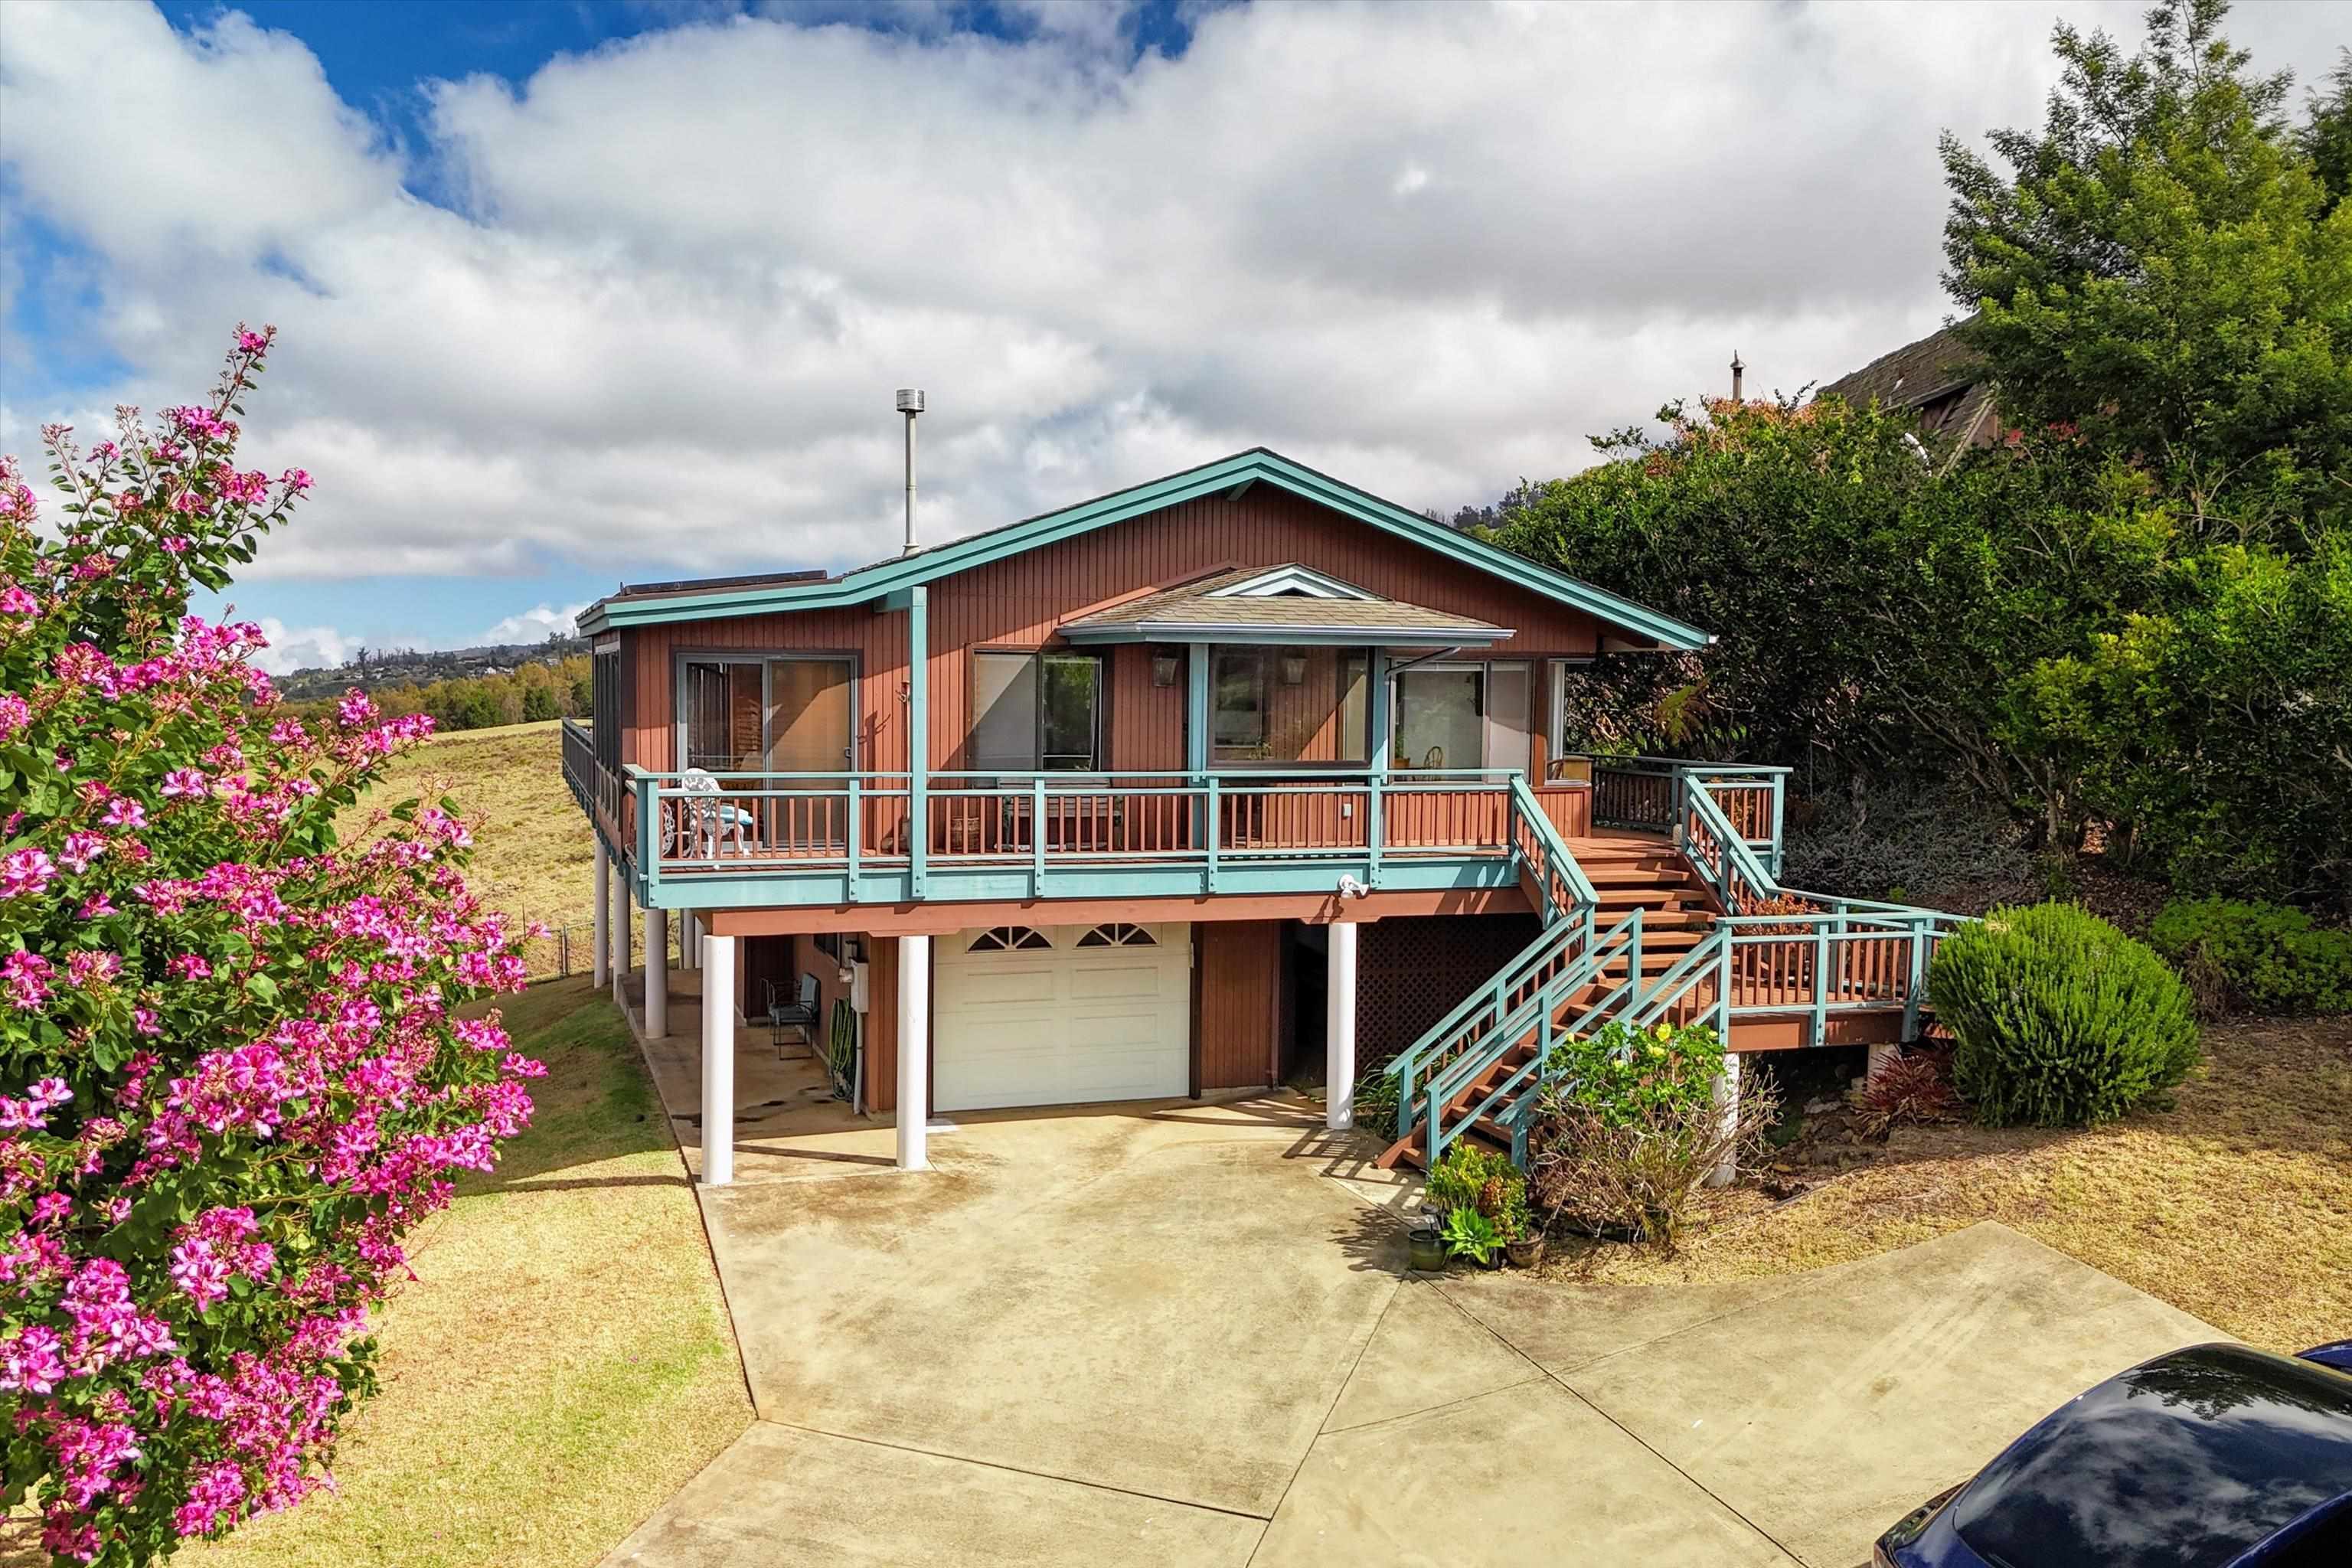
x=1020 y=601
x=1241 y=982
x=882 y=1025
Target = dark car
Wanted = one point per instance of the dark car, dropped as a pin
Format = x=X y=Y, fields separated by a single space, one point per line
x=2214 y=1456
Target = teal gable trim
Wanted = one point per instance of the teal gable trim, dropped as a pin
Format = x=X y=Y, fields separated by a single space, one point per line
x=1256 y=465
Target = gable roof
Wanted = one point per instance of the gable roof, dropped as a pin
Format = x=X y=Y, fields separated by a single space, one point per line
x=1225 y=608
x=884 y=579
x=1940 y=376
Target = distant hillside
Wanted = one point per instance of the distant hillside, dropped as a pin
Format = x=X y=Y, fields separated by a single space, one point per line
x=372 y=670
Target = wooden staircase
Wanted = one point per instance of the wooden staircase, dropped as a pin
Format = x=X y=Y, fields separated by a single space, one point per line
x=1626 y=873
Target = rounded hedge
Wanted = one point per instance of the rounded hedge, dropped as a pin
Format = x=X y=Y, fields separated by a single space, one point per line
x=2060 y=1018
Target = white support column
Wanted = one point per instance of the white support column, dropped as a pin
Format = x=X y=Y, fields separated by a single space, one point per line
x=717 y=1060
x=914 y=1052
x=620 y=935
x=656 y=974
x=1340 y=1028
x=1726 y=1102
x=1881 y=1056
x=601 y=966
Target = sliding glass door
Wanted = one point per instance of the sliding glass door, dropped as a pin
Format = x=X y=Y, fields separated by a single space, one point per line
x=770 y=715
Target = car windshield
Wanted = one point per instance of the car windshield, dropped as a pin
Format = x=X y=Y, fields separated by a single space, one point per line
x=2183 y=1463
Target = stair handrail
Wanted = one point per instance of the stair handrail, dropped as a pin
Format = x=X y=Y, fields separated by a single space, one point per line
x=1581 y=899
x=1733 y=862
x=1538 y=1014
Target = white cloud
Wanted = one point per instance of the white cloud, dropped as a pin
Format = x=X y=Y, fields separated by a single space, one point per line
x=535 y=624
x=1428 y=248
x=300 y=647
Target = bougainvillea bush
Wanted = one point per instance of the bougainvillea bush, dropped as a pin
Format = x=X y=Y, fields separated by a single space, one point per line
x=232 y=1073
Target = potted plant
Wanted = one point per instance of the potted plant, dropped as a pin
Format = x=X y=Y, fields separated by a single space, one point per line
x=1523 y=1232
x=1469 y=1233
x=1425 y=1245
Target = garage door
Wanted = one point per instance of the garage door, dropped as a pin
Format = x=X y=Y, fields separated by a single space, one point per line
x=1059 y=1014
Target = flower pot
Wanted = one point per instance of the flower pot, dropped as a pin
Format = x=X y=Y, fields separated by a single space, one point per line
x=1427 y=1253
x=1527 y=1252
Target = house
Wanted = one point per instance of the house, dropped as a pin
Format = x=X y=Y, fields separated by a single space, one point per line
x=1938 y=379
x=1188 y=789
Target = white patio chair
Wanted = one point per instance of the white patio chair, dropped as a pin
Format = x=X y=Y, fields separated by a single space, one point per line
x=712 y=820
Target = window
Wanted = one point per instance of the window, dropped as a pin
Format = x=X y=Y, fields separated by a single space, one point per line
x=1288 y=705
x=1035 y=711
x=1118 y=934
x=604 y=708
x=720 y=724
x=1464 y=716
x=1010 y=938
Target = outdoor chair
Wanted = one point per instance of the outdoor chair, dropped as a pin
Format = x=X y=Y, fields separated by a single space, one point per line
x=706 y=821
x=793 y=1015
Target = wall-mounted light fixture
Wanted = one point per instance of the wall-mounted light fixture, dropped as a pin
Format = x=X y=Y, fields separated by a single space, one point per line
x=1294 y=670
x=1163 y=668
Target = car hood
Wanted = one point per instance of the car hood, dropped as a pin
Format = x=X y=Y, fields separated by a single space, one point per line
x=2182 y=1462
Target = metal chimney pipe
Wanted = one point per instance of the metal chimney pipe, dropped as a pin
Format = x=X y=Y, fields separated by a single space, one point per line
x=910 y=404
x=1736 y=368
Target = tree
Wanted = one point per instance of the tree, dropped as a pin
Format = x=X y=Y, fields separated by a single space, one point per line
x=232 y=1071
x=2163 y=267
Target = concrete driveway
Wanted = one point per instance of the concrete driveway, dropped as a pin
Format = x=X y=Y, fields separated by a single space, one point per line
x=1184 y=1335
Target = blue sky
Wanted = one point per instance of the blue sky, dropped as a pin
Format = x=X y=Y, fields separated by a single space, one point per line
x=575 y=293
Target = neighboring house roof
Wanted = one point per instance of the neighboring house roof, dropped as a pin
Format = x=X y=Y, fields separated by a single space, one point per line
x=893 y=577
x=1278 y=604
x=1939 y=378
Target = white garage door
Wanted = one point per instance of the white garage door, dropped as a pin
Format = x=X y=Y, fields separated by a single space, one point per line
x=1058 y=1014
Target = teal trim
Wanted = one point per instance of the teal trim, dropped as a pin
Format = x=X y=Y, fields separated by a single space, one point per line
x=918 y=741
x=1376 y=724
x=1257 y=465
x=1019 y=880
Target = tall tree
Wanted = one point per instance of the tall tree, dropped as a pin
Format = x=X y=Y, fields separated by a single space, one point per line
x=2164 y=267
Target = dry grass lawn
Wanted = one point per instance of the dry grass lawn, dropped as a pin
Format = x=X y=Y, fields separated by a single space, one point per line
x=562 y=1363
x=2236 y=1206
x=533 y=851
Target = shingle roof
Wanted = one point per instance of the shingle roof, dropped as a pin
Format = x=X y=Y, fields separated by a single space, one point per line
x=1938 y=376
x=1196 y=605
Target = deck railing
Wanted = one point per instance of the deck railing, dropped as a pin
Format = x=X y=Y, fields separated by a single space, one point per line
x=684 y=825
x=1646 y=794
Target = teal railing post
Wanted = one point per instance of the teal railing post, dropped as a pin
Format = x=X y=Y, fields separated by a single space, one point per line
x=919 y=739
x=1037 y=836
x=1723 y=986
x=1918 y=982
x=1821 y=980
x=1780 y=811
x=857 y=832
x=647 y=788
x=1633 y=950
x=1216 y=817
x=1378 y=740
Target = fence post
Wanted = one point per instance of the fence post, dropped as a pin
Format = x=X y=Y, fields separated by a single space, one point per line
x=563 y=952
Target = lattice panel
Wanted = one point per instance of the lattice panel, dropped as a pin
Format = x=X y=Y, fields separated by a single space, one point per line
x=1410 y=972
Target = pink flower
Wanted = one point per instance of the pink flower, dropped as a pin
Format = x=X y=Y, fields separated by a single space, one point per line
x=79 y=849
x=124 y=812
x=185 y=783
x=29 y=1364
x=15 y=714
x=26 y=975
x=23 y=872
x=14 y=600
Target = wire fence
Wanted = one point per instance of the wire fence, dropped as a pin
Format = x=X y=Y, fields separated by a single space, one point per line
x=570 y=950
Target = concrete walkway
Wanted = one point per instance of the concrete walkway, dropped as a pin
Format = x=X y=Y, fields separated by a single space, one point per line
x=1184 y=1334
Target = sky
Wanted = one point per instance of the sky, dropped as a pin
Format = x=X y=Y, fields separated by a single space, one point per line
x=576 y=293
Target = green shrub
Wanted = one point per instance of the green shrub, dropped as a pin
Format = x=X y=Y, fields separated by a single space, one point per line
x=2061 y=1019
x=2271 y=958
x=1622 y=1073
x=1482 y=1181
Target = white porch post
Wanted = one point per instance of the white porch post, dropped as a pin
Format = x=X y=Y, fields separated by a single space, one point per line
x=656 y=974
x=1727 y=1100
x=717 y=1060
x=1881 y=1057
x=914 y=1052
x=619 y=926
x=601 y=964
x=1340 y=1028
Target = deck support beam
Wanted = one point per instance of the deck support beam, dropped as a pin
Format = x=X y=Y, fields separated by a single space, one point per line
x=719 y=1060
x=656 y=974
x=1340 y=1028
x=914 y=1052
x=601 y=966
